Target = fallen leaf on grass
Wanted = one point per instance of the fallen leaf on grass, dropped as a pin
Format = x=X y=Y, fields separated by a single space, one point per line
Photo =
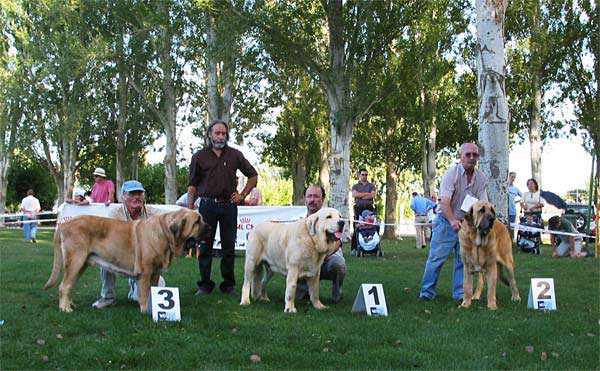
x=590 y=334
x=504 y=354
x=398 y=342
x=325 y=350
x=529 y=349
x=544 y=356
x=407 y=289
x=219 y=301
x=255 y=358
x=555 y=354
x=59 y=336
x=40 y=341
x=45 y=358
x=427 y=311
x=234 y=330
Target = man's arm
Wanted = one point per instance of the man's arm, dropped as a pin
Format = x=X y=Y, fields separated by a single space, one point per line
x=239 y=197
x=449 y=213
x=191 y=197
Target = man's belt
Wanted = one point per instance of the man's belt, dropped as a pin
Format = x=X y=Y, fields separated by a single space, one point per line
x=215 y=199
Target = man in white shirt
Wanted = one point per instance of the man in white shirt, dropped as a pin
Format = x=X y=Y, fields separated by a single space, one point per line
x=30 y=206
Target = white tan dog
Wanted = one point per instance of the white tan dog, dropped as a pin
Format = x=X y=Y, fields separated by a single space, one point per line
x=293 y=249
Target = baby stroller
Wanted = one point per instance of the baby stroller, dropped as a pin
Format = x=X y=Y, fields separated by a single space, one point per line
x=529 y=241
x=367 y=235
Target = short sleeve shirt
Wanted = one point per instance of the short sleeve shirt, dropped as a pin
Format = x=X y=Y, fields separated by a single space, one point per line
x=30 y=204
x=100 y=191
x=216 y=176
x=363 y=188
x=454 y=185
x=513 y=192
x=121 y=213
x=533 y=198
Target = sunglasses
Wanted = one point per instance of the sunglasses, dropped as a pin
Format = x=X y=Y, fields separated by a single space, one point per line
x=471 y=154
x=364 y=174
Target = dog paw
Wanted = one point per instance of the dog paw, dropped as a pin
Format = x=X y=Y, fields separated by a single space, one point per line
x=319 y=306
x=516 y=298
x=245 y=302
x=264 y=298
x=465 y=304
x=492 y=306
x=476 y=297
x=66 y=309
x=290 y=310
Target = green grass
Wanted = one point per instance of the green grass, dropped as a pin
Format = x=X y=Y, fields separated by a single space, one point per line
x=216 y=333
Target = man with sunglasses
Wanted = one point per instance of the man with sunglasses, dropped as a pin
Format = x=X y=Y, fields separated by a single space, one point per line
x=103 y=190
x=462 y=181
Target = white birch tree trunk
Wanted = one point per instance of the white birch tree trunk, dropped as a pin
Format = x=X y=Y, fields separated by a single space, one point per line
x=535 y=131
x=7 y=148
x=428 y=161
x=121 y=120
x=492 y=104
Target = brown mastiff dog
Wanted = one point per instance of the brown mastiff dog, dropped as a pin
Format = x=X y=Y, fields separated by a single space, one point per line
x=485 y=246
x=296 y=250
x=140 y=249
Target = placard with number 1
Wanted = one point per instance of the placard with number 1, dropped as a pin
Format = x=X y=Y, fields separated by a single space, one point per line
x=370 y=298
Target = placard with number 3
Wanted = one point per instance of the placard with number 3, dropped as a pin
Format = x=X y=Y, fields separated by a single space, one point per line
x=165 y=304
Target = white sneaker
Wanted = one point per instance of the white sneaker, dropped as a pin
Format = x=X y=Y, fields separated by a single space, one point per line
x=104 y=302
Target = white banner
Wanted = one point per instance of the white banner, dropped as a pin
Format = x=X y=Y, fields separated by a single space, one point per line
x=248 y=216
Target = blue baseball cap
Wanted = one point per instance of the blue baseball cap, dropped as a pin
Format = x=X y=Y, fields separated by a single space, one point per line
x=366 y=212
x=132 y=186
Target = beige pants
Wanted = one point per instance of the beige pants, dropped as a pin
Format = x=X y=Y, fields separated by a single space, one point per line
x=422 y=231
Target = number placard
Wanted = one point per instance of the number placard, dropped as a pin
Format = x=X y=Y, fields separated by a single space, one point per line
x=371 y=299
x=541 y=294
x=165 y=304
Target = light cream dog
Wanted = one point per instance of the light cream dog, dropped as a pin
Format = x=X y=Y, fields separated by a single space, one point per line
x=140 y=249
x=293 y=249
x=485 y=246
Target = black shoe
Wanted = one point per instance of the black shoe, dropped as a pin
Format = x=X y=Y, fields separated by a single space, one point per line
x=424 y=298
x=202 y=292
x=33 y=240
x=230 y=293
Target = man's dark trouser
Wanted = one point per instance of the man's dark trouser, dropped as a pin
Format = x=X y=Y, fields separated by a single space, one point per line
x=358 y=209
x=224 y=213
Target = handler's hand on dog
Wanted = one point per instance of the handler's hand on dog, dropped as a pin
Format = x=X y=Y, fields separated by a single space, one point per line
x=456 y=224
x=236 y=198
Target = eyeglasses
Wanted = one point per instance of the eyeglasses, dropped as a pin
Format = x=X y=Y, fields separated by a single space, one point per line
x=364 y=174
x=472 y=154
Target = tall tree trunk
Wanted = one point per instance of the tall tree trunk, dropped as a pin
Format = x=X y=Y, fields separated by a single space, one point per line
x=324 y=178
x=298 y=166
x=391 y=198
x=428 y=160
x=212 y=73
x=492 y=103
x=535 y=130
x=121 y=119
x=169 y=109
x=7 y=149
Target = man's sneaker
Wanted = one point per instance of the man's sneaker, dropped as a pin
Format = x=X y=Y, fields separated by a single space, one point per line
x=33 y=240
x=103 y=303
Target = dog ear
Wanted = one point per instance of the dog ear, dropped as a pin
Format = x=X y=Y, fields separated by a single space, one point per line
x=493 y=211
x=177 y=226
x=469 y=216
x=312 y=224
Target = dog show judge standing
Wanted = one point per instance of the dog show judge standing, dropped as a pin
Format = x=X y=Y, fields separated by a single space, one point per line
x=459 y=182
x=213 y=179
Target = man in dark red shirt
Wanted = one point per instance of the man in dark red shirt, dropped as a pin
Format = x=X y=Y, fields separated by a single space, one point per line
x=213 y=179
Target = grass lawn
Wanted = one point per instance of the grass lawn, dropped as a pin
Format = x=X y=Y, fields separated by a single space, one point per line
x=216 y=333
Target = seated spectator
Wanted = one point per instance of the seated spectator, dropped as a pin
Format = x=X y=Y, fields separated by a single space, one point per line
x=256 y=198
x=565 y=245
x=78 y=198
x=182 y=201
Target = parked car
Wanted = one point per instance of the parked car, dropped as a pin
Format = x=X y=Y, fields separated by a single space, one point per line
x=577 y=214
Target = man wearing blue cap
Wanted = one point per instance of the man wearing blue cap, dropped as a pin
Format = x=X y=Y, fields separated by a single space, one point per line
x=133 y=208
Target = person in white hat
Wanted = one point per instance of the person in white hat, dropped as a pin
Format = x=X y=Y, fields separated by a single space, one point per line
x=103 y=190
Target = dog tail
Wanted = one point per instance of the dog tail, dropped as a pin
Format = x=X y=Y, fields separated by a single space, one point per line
x=58 y=260
x=501 y=275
